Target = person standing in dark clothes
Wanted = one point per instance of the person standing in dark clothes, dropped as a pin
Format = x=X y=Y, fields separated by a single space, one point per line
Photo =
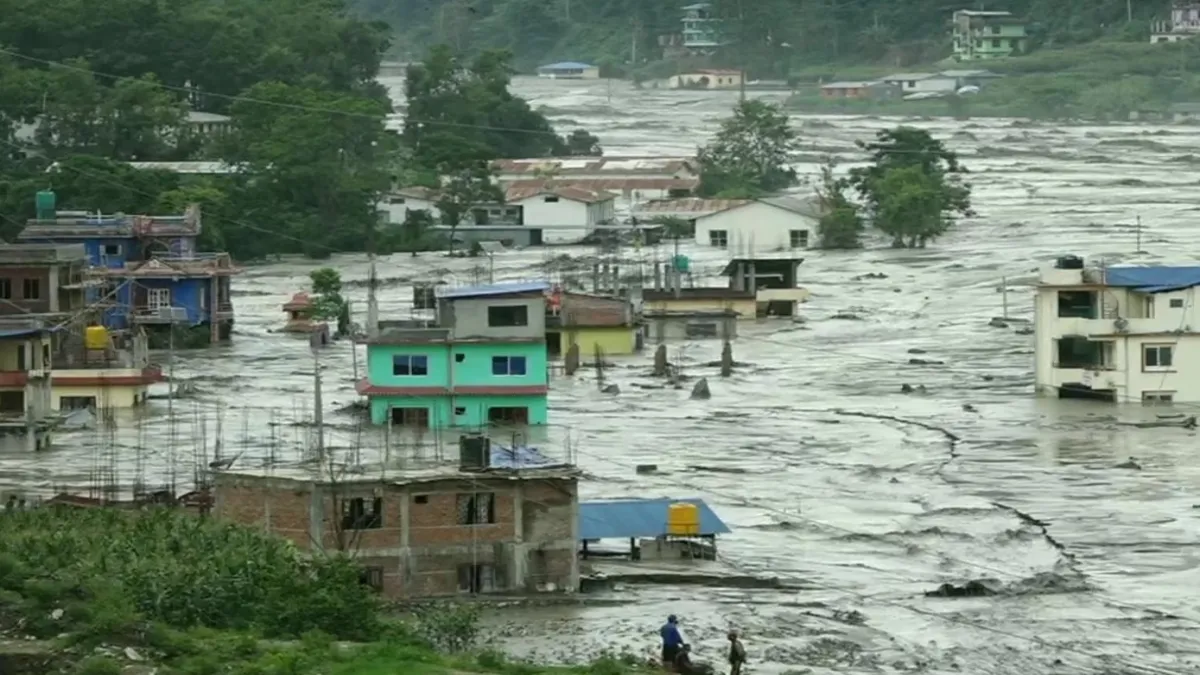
x=737 y=654
x=671 y=641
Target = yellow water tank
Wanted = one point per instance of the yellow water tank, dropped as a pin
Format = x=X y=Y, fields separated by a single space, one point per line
x=683 y=519
x=96 y=337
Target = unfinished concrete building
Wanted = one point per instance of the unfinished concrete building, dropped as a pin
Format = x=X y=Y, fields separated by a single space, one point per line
x=505 y=519
x=42 y=279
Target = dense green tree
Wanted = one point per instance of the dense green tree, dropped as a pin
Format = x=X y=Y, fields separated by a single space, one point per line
x=750 y=154
x=319 y=161
x=463 y=188
x=841 y=225
x=912 y=189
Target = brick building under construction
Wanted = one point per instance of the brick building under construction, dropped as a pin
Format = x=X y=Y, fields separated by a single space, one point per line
x=502 y=520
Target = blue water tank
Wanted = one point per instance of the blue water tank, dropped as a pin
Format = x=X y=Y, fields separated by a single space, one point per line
x=681 y=263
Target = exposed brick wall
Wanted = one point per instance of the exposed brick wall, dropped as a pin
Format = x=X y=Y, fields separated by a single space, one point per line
x=421 y=556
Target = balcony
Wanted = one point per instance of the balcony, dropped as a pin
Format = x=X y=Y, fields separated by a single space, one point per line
x=160 y=266
x=1081 y=326
x=159 y=315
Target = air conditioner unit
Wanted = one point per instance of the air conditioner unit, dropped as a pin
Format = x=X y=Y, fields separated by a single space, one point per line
x=1121 y=325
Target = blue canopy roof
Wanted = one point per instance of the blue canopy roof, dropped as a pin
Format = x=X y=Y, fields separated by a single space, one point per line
x=505 y=288
x=633 y=518
x=1153 y=279
x=566 y=65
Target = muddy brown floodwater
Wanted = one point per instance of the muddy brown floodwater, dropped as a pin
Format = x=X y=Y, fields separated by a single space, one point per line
x=858 y=517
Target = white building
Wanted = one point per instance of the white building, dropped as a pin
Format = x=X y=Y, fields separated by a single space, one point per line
x=771 y=224
x=569 y=70
x=1183 y=24
x=560 y=215
x=706 y=79
x=1122 y=333
x=922 y=83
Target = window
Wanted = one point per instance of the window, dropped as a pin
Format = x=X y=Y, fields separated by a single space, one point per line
x=508 y=315
x=459 y=358
x=995 y=43
x=371 y=577
x=32 y=289
x=508 y=415
x=420 y=499
x=6 y=289
x=112 y=249
x=395 y=200
x=550 y=199
x=460 y=410
x=1157 y=397
x=408 y=365
x=718 y=238
x=910 y=84
x=476 y=578
x=1157 y=357
x=1176 y=303
x=76 y=402
x=477 y=508
x=356 y=515
x=798 y=238
x=508 y=365
x=995 y=30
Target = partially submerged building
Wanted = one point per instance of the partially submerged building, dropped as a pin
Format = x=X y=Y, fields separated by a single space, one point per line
x=484 y=364
x=775 y=282
x=1120 y=333
x=150 y=271
x=25 y=372
x=504 y=519
x=747 y=227
x=632 y=179
x=653 y=529
x=597 y=325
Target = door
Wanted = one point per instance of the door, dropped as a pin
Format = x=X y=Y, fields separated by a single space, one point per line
x=159 y=298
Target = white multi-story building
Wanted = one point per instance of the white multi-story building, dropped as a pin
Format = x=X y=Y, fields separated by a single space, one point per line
x=1183 y=24
x=1122 y=333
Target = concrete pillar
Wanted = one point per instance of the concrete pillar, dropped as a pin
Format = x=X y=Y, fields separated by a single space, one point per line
x=518 y=569
x=404 y=566
x=573 y=579
x=52 y=288
x=316 y=517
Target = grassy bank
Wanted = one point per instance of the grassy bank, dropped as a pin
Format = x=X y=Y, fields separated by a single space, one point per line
x=105 y=590
x=1103 y=80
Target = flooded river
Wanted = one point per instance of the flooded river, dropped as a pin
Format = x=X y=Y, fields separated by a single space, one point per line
x=858 y=517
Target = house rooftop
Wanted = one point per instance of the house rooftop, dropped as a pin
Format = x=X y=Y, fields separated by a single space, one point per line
x=805 y=206
x=83 y=225
x=573 y=193
x=850 y=85
x=566 y=65
x=613 y=184
x=20 y=328
x=41 y=254
x=636 y=518
x=688 y=206
x=557 y=167
x=765 y=262
x=908 y=76
x=983 y=13
x=1152 y=279
x=969 y=73
x=198 y=117
x=493 y=290
x=701 y=293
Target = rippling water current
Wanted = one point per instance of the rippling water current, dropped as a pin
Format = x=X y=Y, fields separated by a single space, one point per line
x=856 y=516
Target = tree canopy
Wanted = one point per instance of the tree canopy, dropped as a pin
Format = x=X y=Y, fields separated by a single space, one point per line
x=750 y=154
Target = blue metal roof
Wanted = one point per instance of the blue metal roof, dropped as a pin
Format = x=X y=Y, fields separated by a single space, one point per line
x=24 y=332
x=1153 y=279
x=518 y=457
x=506 y=288
x=632 y=518
x=566 y=65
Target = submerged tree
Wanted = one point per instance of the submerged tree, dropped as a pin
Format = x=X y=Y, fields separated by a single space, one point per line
x=913 y=189
x=751 y=154
x=841 y=225
x=328 y=303
x=463 y=189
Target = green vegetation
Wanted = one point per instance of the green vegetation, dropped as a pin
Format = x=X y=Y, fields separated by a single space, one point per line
x=772 y=38
x=750 y=155
x=911 y=192
x=197 y=597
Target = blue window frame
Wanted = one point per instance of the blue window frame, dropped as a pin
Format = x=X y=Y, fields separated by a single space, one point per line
x=408 y=365
x=508 y=365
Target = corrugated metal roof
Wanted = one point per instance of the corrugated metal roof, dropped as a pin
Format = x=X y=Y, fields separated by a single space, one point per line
x=693 y=206
x=663 y=166
x=850 y=85
x=633 y=518
x=1153 y=279
x=908 y=76
x=518 y=457
x=809 y=207
x=615 y=184
x=576 y=193
x=504 y=288
x=566 y=65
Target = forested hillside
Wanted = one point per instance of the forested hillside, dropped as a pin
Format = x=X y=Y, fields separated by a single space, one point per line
x=776 y=32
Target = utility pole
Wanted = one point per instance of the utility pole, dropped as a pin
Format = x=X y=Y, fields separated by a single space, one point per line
x=318 y=415
x=372 y=299
x=1128 y=11
x=742 y=51
x=1138 y=229
x=633 y=43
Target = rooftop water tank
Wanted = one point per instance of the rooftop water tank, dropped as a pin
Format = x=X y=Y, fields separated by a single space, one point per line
x=96 y=337
x=474 y=453
x=683 y=519
x=1069 y=262
x=46 y=207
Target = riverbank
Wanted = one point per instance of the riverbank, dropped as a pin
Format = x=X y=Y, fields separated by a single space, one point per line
x=104 y=592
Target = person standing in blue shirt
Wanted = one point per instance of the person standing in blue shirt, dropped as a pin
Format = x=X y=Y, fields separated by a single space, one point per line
x=671 y=641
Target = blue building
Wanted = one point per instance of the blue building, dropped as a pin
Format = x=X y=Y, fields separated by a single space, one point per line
x=144 y=271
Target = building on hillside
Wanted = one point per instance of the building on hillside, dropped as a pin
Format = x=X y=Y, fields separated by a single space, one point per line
x=1119 y=333
x=484 y=365
x=769 y=224
x=981 y=35
x=860 y=90
x=151 y=274
x=701 y=29
x=569 y=70
x=1184 y=22
x=971 y=77
x=208 y=124
x=632 y=179
x=706 y=79
x=25 y=372
x=503 y=520
x=189 y=168
x=599 y=325
x=922 y=83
